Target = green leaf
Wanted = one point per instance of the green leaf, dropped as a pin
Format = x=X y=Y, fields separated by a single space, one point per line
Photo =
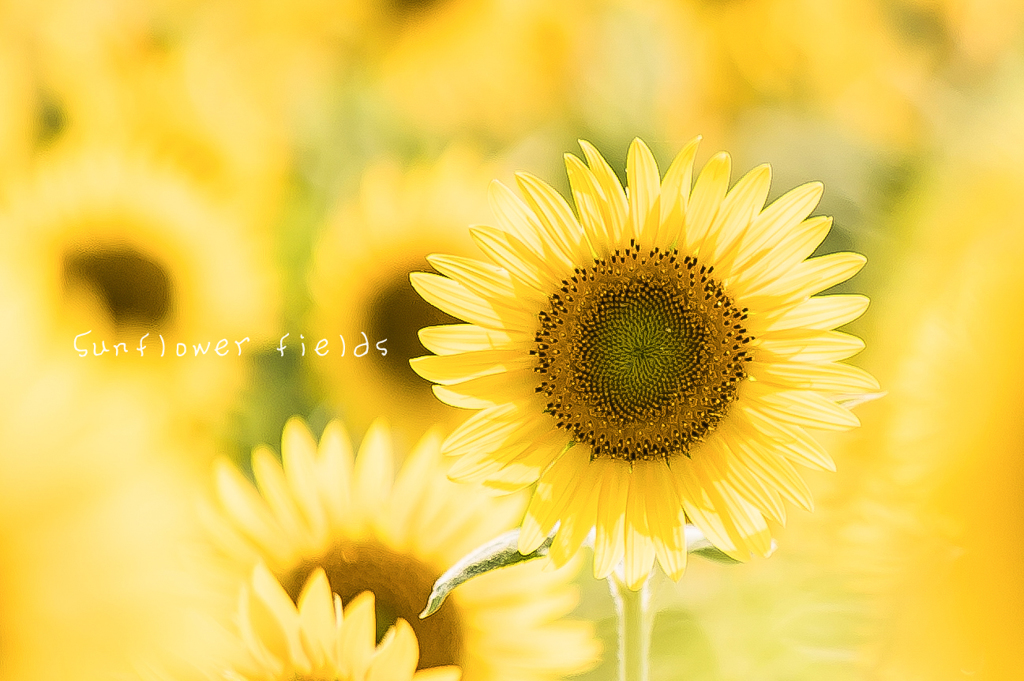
x=498 y=553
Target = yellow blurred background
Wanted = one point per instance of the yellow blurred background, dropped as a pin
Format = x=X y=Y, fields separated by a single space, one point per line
x=242 y=188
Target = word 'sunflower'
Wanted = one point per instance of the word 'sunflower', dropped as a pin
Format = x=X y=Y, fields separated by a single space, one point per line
x=222 y=347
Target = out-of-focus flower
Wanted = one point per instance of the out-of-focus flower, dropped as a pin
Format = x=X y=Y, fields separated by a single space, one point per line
x=657 y=361
x=17 y=124
x=943 y=466
x=981 y=32
x=121 y=247
x=318 y=640
x=394 y=537
x=836 y=59
x=100 y=558
x=642 y=68
x=360 y=283
x=511 y=60
x=139 y=75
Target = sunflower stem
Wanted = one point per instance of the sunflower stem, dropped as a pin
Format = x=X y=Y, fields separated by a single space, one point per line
x=632 y=608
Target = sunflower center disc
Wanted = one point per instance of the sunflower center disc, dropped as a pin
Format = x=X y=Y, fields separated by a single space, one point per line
x=641 y=355
x=135 y=290
x=400 y=585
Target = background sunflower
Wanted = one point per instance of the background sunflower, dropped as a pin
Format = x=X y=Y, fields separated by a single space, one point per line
x=359 y=282
x=371 y=529
x=271 y=160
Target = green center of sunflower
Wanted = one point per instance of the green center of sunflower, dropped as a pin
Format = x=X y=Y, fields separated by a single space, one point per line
x=400 y=584
x=641 y=355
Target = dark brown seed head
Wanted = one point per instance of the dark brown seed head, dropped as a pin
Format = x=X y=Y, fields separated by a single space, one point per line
x=640 y=355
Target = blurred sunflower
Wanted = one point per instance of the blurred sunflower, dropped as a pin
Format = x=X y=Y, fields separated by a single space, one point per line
x=943 y=507
x=360 y=283
x=122 y=247
x=143 y=75
x=656 y=362
x=16 y=116
x=395 y=537
x=976 y=33
x=656 y=52
x=512 y=60
x=839 y=60
x=99 y=541
x=318 y=640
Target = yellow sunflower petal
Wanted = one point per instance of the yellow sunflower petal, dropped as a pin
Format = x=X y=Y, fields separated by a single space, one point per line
x=396 y=655
x=806 y=279
x=577 y=520
x=488 y=391
x=773 y=470
x=274 y=488
x=675 y=191
x=487 y=281
x=335 y=464
x=455 y=299
x=297 y=458
x=799 y=243
x=356 y=646
x=374 y=470
x=827 y=378
x=774 y=224
x=248 y=509
x=722 y=460
x=707 y=195
x=801 y=408
x=409 y=489
x=491 y=428
x=792 y=442
x=639 y=546
x=526 y=467
x=519 y=219
x=644 y=195
x=554 y=493
x=556 y=218
x=611 y=515
x=509 y=253
x=802 y=345
x=270 y=597
x=449 y=369
x=453 y=339
x=611 y=188
x=595 y=216
x=738 y=209
x=665 y=518
x=438 y=674
x=822 y=313
x=316 y=618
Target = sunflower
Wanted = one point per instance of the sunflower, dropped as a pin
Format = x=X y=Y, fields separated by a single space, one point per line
x=800 y=53
x=513 y=65
x=940 y=508
x=96 y=507
x=16 y=116
x=117 y=244
x=148 y=75
x=318 y=640
x=394 y=537
x=360 y=282
x=656 y=361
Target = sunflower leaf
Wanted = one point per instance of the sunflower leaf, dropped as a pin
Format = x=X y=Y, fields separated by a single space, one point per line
x=500 y=552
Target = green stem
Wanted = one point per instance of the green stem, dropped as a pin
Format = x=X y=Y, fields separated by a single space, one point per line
x=634 y=628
